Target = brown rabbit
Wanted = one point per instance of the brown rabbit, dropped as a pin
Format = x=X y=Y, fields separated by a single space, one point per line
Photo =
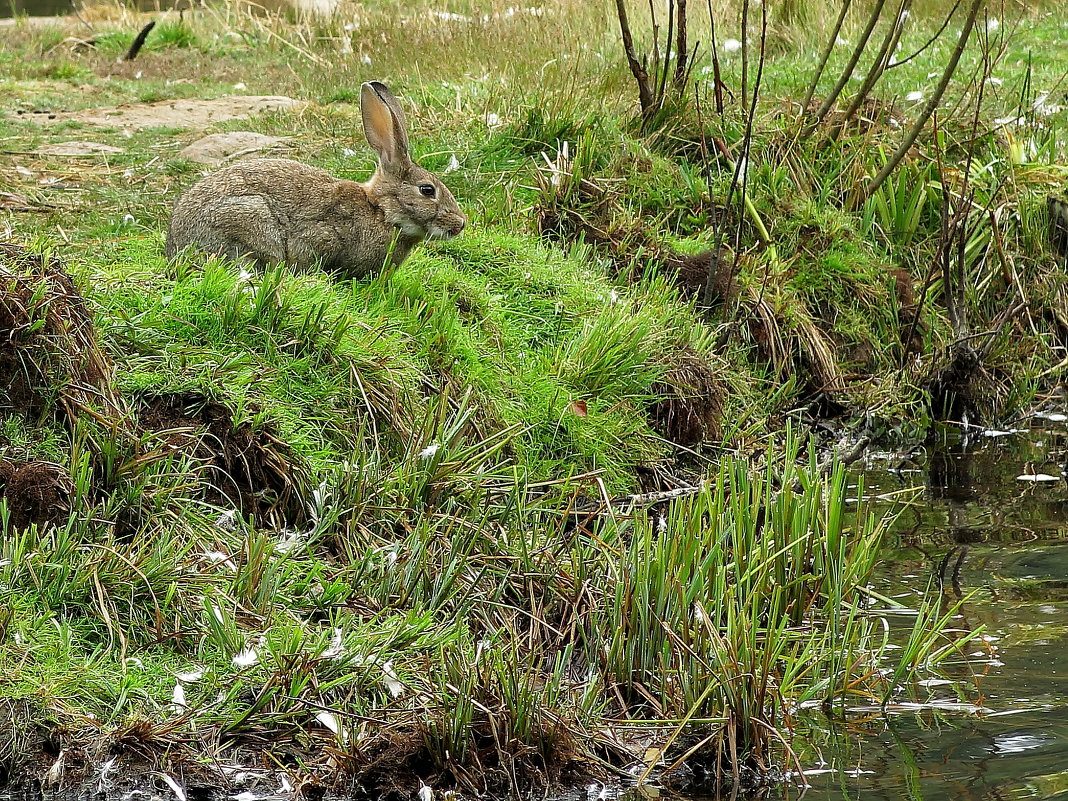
x=277 y=210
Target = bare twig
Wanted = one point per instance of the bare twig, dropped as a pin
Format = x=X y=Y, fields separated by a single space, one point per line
x=875 y=72
x=641 y=75
x=847 y=70
x=933 y=38
x=930 y=107
x=681 y=54
x=826 y=55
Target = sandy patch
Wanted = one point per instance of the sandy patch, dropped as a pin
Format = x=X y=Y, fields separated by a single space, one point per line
x=179 y=113
x=77 y=149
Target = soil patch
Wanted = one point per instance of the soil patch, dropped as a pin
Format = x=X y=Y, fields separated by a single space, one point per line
x=689 y=401
x=393 y=768
x=49 y=356
x=240 y=466
x=635 y=251
x=36 y=492
x=960 y=388
x=178 y=113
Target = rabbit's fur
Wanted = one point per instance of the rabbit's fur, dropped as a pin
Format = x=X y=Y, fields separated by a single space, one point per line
x=277 y=210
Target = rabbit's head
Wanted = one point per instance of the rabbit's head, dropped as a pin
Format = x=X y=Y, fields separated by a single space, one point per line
x=413 y=200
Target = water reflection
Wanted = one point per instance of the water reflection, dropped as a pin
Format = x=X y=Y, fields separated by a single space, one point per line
x=1008 y=541
x=47 y=8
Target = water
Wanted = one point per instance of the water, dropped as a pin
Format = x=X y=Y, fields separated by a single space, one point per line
x=1011 y=537
x=36 y=8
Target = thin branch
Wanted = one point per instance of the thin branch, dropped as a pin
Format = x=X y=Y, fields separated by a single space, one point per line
x=741 y=167
x=875 y=72
x=847 y=70
x=934 y=38
x=930 y=107
x=745 y=48
x=662 y=67
x=826 y=55
x=641 y=76
x=716 y=75
x=681 y=52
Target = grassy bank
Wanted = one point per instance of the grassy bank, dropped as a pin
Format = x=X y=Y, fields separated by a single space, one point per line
x=522 y=510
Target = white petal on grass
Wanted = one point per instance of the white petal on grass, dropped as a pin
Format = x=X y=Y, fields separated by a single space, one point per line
x=220 y=558
x=992 y=24
x=429 y=451
x=335 y=649
x=743 y=170
x=914 y=97
x=288 y=540
x=731 y=46
x=329 y=719
x=190 y=676
x=994 y=81
x=366 y=60
x=453 y=164
x=840 y=42
x=178 y=698
x=448 y=16
x=133 y=661
x=245 y=657
x=176 y=788
x=391 y=679
x=492 y=120
x=1038 y=477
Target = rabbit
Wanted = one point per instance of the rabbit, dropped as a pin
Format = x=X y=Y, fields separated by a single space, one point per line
x=271 y=210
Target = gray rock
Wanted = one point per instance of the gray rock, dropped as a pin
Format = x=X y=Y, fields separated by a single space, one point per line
x=220 y=147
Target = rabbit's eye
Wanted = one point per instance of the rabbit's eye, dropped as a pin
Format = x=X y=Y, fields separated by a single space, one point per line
x=427 y=190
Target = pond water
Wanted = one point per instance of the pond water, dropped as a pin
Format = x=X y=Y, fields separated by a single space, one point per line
x=1001 y=730
x=34 y=8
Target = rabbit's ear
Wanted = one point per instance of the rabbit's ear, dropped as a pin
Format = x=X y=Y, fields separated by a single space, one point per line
x=383 y=124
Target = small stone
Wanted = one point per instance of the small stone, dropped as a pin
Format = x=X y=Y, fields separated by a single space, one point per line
x=220 y=147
